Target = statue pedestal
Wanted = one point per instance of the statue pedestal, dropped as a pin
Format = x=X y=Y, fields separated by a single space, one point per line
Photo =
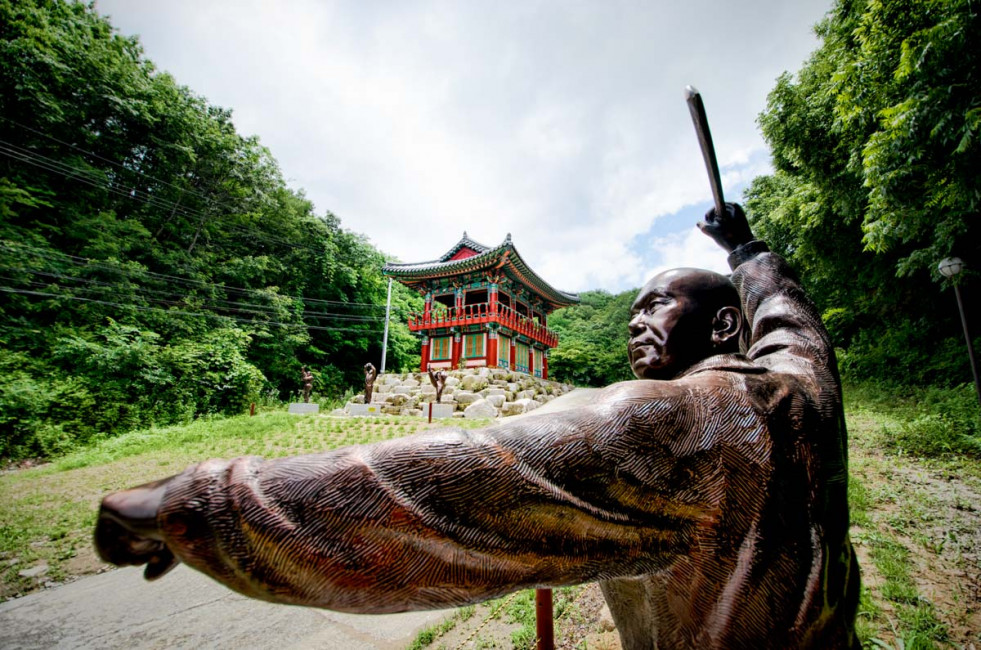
x=303 y=408
x=439 y=410
x=363 y=409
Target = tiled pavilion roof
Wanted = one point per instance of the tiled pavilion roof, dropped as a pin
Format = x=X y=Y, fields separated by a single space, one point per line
x=471 y=257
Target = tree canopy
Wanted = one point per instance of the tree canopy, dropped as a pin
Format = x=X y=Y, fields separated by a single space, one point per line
x=593 y=336
x=154 y=264
x=876 y=144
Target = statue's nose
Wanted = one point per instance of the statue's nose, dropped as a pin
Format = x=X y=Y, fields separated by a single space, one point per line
x=636 y=325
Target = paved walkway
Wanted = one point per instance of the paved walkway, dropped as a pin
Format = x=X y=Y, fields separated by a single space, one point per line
x=186 y=609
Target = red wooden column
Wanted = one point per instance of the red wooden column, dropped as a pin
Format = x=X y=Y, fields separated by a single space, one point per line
x=492 y=348
x=424 y=364
x=456 y=353
x=492 y=297
x=545 y=363
x=427 y=314
x=514 y=339
x=531 y=360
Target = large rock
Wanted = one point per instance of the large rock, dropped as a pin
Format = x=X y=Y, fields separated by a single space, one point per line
x=473 y=383
x=480 y=409
x=519 y=406
x=452 y=381
x=396 y=399
x=496 y=400
x=526 y=394
x=402 y=390
x=465 y=397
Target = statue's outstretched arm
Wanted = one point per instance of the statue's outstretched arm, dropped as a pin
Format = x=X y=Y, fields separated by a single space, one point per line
x=454 y=517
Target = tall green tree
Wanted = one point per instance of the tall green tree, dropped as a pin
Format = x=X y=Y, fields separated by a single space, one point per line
x=154 y=265
x=593 y=336
x=876 y=144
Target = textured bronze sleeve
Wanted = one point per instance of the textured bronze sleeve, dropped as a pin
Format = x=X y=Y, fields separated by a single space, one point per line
x=455 y=517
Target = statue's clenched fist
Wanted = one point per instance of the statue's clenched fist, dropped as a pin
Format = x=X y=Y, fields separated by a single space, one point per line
x=729 y=230
x=127 y=534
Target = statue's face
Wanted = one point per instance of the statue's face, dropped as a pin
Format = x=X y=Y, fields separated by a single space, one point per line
x=669 y=329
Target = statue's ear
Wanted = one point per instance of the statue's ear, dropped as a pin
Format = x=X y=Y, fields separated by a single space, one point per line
x=726 y=325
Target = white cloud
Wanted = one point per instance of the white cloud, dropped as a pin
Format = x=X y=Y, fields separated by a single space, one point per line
x=562 y=123
x=689 y=249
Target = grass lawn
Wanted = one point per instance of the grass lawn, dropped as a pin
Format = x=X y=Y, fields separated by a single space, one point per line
x=47 y=513
x=916 y=524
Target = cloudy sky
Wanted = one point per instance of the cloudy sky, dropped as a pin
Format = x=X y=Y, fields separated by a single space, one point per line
x=561 y=122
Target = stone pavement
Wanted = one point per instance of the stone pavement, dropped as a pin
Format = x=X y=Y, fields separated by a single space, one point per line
x=186 y=609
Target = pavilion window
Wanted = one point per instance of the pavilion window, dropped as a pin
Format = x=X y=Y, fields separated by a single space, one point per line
x=503 y=352
x=520 y=357
x=447 y=300
x=473 y=346
x=476 y=297
x=503 y=298
x=441 y=348
x=522 y=309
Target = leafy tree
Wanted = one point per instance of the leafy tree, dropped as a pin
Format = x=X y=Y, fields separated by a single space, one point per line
x=154 y=264
x=876 y=142
x=593 y=336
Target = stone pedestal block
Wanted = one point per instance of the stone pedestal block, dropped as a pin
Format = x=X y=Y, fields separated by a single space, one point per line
x=302 y=408
x=363 y=409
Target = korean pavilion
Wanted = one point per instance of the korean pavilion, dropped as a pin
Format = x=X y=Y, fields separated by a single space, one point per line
x=485 y=307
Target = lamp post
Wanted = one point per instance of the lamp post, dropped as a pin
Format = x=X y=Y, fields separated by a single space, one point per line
x=950 y=268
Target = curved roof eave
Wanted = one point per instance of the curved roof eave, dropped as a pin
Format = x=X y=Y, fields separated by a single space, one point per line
x=485 y=260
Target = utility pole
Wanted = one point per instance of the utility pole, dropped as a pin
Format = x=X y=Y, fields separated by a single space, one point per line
x=388 y=313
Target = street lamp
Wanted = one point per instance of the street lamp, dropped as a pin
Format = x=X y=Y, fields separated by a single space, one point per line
x=950 y=268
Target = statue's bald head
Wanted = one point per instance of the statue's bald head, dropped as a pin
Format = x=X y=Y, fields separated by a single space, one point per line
x=680 y=317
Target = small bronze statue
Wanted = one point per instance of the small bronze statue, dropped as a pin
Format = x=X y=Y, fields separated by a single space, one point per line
x=369 y=381
x=438 y=380
x=307 y=378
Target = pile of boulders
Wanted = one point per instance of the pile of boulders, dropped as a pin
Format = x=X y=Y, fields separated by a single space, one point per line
x=470 y=393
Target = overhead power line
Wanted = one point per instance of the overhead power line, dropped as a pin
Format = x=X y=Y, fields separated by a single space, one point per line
x=171 y=312
x=172 y=297
x=87 y=262
x=98 y=179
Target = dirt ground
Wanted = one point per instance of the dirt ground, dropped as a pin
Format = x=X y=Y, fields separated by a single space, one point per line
x=936 y=515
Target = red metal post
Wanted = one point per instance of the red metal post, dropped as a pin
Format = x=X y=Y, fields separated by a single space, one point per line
x=544 y=628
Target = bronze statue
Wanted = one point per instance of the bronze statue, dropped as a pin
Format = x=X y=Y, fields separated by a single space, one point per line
x=709 y=496
x=369 y=381
x=438 y=380
x=307 y=384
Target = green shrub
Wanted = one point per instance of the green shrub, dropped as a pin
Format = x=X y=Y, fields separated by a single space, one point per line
x=948 y=423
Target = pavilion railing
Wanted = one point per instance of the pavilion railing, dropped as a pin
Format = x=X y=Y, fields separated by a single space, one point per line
x=483 y=313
